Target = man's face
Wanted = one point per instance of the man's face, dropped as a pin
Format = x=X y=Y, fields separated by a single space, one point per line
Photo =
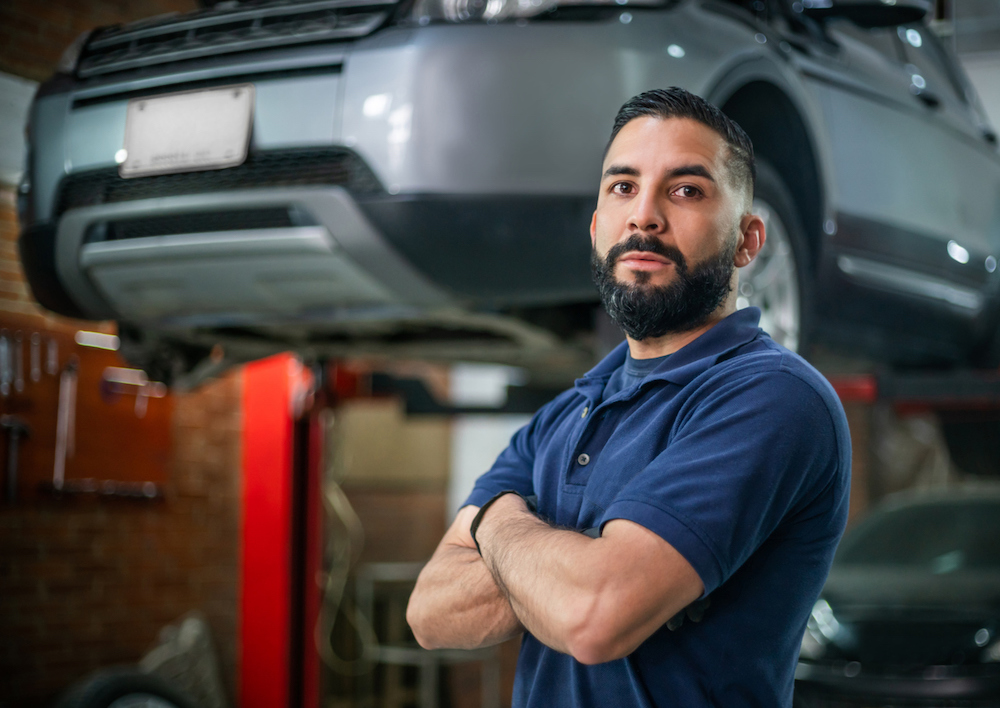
x=667 y=230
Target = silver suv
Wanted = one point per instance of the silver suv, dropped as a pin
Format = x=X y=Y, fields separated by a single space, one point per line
x=416 y=178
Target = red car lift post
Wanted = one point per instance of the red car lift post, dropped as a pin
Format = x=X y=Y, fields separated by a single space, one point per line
x=281 y=532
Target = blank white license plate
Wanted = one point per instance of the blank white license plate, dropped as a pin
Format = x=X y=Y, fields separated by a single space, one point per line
x=188 y=131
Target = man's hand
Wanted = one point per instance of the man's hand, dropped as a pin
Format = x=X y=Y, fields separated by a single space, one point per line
x=596 y=599
x=456 y=604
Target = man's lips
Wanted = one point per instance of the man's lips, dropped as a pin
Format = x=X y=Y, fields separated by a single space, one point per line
x=644 y=260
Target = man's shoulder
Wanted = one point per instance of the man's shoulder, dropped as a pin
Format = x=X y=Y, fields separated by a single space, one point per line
x=768 y=366
x=782 y=391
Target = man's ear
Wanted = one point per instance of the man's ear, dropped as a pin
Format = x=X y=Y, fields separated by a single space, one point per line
x=752 y=239
x=593 y=229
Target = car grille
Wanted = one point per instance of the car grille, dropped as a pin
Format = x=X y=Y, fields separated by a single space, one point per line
x=284 y=168
x=194 y=223
x=252 y=26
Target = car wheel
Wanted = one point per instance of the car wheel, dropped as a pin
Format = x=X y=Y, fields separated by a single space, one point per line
x=124 y=688
x=777 y=281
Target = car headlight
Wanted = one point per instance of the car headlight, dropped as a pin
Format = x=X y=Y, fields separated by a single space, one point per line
x=426 y=11
x=822 y=629
x=991 y=654
x=812 y=648
x=71 y=55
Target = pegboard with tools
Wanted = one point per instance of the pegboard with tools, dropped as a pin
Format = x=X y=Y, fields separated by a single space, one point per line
x=76 y=419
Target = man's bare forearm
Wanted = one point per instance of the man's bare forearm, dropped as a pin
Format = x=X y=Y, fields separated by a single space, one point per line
x=539 y=587
x=455 y=603
x=595 y=599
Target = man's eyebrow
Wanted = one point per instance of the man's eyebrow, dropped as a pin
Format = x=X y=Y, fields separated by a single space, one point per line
x=684 y=170
x=620 y=170
x=691 y=170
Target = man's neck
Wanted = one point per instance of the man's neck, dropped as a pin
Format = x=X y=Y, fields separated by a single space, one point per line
x=674 y=341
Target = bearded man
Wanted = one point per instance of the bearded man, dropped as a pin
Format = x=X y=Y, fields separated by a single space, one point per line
x=660 y=532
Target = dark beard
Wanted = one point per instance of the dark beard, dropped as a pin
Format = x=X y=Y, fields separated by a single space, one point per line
x=645 y=311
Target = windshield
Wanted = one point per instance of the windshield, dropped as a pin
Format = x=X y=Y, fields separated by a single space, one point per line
x=940 y=538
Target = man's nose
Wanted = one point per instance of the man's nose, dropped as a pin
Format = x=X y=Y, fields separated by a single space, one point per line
x=647 y=213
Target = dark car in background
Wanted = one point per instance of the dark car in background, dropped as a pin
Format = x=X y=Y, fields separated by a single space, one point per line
x=416 y=178
x=910 y=615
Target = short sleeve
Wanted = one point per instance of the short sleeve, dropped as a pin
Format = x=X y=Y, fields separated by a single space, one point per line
x=739 y=460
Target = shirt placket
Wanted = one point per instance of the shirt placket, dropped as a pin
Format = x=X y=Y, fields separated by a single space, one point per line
x=599 y=424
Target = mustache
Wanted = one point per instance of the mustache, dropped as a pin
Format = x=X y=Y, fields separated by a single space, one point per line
x=635 y=242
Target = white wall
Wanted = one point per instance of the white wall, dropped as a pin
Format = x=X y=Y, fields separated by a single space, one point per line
x=476 y=440
x=15 y=98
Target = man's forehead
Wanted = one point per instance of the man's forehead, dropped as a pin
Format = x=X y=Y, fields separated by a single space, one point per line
x=649 y=142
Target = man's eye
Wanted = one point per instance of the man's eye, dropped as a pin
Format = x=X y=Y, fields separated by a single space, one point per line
x=621 y=188
x=688 y=191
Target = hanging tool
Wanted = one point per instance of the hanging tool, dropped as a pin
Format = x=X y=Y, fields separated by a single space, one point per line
x=142 y=400
x=18 y=361
x=6 y=374
x=115 y=379
x=52 y=357
x=36 y=357
x=65 y=420
x=16 y=429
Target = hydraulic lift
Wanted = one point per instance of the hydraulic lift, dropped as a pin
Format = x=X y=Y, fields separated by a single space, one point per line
x=281 y=532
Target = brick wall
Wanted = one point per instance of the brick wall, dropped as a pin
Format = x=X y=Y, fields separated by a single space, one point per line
x=14 y=295
x=87 y=582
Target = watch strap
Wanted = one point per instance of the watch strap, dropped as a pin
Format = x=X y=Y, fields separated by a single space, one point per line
x=531 y=502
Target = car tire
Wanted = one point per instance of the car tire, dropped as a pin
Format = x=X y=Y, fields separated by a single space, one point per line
x=778 y=280
x=124 y=688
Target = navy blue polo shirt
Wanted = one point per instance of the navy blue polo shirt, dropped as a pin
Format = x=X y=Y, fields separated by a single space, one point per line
x=736 y=452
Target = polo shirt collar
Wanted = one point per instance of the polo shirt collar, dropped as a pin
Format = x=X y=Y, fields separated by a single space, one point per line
x=686 y=363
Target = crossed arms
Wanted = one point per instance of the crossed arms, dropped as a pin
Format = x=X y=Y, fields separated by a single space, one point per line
x=596 y=599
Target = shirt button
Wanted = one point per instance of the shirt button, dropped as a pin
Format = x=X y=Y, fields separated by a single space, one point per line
x=585 y=409
x=583 y=459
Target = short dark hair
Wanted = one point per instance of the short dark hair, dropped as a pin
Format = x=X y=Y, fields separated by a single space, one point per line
x=675 y=102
